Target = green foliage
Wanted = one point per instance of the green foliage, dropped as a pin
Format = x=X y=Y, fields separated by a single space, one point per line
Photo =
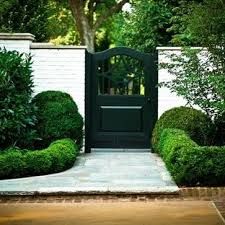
x=116 y=29
x=53 y=96
x=107 y=35
x=199 y=75
x=145 y=28
x=192 y=121
x=157 y=23
x=190 y=164
x=206 y=23
x=171 y=143
x=60 y=24
x=57 y=117
x=61 y=161
x=181 y=11
x=11 y=163
x=59 y=156
x=25 y=17
x=173 y=139
x=17 y=114
x=6 y=5
x=220 y=130
x=199 y=79
x=48 y=20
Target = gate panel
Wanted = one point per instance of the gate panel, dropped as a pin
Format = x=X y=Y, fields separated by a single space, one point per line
x=121 y=99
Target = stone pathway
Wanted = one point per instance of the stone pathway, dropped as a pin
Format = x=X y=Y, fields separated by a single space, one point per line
x=100 y=172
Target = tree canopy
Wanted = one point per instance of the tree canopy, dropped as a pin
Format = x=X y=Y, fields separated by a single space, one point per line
x=90 y=15
x=146 y=26
x=199 y=75
x=101 y=24
x=66 y=22
x=155 y=23
x=25 y=16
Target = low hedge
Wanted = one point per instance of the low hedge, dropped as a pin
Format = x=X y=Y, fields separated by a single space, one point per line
x=189 y=163
x=59 y=156
x=194 y=122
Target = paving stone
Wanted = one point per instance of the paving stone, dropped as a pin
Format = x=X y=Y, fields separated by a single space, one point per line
x=101 y=172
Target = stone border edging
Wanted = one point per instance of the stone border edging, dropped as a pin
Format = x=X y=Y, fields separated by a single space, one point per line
x=185 y=193
x=173 y=194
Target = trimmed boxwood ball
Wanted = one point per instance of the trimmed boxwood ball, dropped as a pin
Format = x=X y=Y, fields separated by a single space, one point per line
x=59 y=156
x=194 y=122
x=57 y=117
x=54 y=96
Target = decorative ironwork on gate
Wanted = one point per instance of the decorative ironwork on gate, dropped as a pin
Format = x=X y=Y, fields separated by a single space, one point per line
x=120 y=75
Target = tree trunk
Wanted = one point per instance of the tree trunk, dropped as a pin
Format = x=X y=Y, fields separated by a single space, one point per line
x=85 y=23
x=89 y=38
x=86 y=32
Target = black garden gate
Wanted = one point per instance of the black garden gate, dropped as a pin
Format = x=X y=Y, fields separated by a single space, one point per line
x=121 y=99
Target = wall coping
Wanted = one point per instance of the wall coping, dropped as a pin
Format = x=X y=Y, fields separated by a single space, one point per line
x=17 y=36
x=52 y=46
x=177 y=48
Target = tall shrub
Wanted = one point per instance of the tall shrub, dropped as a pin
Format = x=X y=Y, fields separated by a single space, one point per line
x=200 y=75
x=198 y=79
x=16 y=113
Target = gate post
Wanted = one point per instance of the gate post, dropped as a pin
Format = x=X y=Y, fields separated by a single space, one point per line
x=87 y=101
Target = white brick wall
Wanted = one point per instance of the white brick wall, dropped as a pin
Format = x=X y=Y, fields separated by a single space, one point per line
x=54 y=67
x=63 y=68
x=60 y=69
x=16 y=41
x=166 y=99
x=19 y=45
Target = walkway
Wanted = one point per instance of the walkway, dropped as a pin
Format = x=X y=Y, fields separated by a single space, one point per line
x=115 y=213
x=101 y=172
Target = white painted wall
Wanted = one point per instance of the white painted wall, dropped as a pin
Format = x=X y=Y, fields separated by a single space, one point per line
x=54 y=67
x=167 y=99
x=21 y=46
x=63 y=68
x=17 y=41
x=58 y=68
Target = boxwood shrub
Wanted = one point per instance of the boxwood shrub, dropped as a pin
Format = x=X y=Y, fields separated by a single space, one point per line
x=57 y=117
x=189 y=163
x=192 y=121
x=59 y=156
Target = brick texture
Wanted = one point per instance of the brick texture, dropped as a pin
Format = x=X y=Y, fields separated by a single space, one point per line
x=215 y=194
x=60 y=69
x=203 y=193
x=193 y=193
